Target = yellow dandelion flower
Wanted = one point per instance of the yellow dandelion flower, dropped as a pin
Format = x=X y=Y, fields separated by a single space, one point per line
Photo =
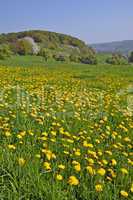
x=101 y=171
x=7 y=134
x=21 y=161
x=90 y=170
x=73 y=180
x=124 y=171
x=47 y=166
x=113 y=162
x=124 y=193
x=77 y=168
x=59 y=177
x=99 y=188
x=61 y=166
x=11 y=146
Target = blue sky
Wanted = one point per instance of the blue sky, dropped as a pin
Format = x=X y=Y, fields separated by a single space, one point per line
x=91 y=20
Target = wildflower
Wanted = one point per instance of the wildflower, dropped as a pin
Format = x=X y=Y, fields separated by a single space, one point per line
x=99 y=188
x=61 y=166
x=85 y=144
x=73 y=180
x=74 y=162
x=77 y=167
x=7 y=134
x=113 y=162
x=124 y=193
x=59 y=177
x=90 y=170
x=47 y=166
x=101 y=171
x=21 y=161
x=77 y=153
x=11 y=146
x=105 y=162
x=91 y=161
x=124 y=171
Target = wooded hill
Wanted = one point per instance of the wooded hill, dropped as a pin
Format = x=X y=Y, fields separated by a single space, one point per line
x=46 y=39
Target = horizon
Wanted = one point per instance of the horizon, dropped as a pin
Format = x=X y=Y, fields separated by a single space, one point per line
x=93 y=22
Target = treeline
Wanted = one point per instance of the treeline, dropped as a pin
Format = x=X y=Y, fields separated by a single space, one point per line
x=46 y=39
x=49 y=45
x=54 y=46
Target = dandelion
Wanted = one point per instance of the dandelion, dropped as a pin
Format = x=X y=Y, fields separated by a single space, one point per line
x=47 y=166
x=101 y=171
x=11 y=146
x=90 y=170
x=59 y=177
x=61 y=166
x=77 y=168
x=73 y=180
x=21 y=161
x=124 y=193
x=124 y=171
x=113 y=162
x=99 y=188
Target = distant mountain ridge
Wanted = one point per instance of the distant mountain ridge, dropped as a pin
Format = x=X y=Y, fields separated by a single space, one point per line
x=124 y=47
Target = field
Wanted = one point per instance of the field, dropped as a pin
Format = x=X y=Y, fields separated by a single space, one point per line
x=66 y=132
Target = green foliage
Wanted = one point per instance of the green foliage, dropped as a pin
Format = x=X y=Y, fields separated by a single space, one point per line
x=117 y=59
x=131 y=57
x=44 y=39
x=45 y=54
x=23 y=47
x=74 y=58
x=5 y=52
x=60 y=57
x=88 y=60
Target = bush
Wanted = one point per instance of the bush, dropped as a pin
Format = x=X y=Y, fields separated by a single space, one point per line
x=60 y=57
x=45 y=54
x=117 y=59
x=88 y=60
x=74 y=58
x=131 y=57
x=23 y=47
x=5 y=52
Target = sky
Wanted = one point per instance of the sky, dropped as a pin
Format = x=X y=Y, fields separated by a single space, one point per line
x=93 y=21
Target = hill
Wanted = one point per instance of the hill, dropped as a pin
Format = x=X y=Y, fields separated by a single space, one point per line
x=49 y=40
x=123 y=47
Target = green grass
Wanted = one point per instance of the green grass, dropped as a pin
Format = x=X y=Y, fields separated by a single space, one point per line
x=59 y=106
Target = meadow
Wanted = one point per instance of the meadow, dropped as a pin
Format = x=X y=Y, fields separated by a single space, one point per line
x=66 y=131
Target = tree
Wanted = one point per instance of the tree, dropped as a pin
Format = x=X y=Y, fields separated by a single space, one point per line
x=88 y=60
x=5 y=51
x=131 y=57
x=60 y=57
x=45 y=54
x=117 y=59
x=23 y=47
x=74 y=58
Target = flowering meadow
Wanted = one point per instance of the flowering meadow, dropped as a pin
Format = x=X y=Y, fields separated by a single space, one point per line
x=66 y=133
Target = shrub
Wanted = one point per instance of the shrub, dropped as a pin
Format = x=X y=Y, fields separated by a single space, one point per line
x=74 y=58
x=23 y=47
x=117 y=59
x=89 y=59
x=60 y=57
x=5 y=51
x=131 y=57
x=45 y=54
